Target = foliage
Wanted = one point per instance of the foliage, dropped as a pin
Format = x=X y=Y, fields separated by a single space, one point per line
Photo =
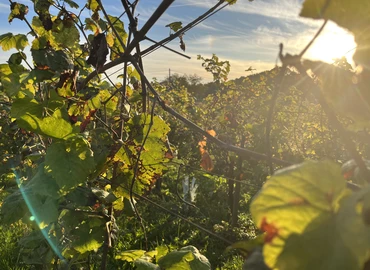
x=85 y=161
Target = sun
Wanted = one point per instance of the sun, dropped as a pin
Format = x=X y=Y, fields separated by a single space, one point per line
x=333 y=42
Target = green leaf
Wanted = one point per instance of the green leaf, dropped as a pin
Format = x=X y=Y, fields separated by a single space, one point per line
x=9 y=41
x=17 y=58
x=345 y=246
x=18 y=11
x=70 y=162
x=81 y=196
x=13 y=207
x=55 y=60
x=175 y=26
x=145 y=265
x=152 y=156
x=185 y=258
x=71 y=3
x=117 y=47
x=67 y=36
x=5 y=69
x=101 y=144
x=92 y=26
x=293 y=199
x=161 y=251
x=89 y=236
x=29 y=116
x=43 y=184
x=11 y=84
x=40 y=75
x=104 y=196
x=130 y=255
x=93 y=5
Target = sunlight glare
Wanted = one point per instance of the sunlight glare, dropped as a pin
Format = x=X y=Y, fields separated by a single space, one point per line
x=333 y=42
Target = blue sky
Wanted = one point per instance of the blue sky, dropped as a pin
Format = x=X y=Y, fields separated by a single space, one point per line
x=247 y=34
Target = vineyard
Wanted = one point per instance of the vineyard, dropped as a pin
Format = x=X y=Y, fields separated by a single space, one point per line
x=115 y=170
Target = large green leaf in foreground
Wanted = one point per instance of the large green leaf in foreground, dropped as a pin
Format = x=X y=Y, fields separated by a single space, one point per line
x=293 y=200
x=341 y=242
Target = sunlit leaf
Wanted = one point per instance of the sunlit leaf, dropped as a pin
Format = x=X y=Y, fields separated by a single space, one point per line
x=90 y=236
x=120 y=29
x=93 y=5
x=9 y=41
x=29 y=115
x=17 y=11
x=130 y=255
x=186 y=258
x=71 y=3
x=345 y=246
x=293 y=199
x=175 y=26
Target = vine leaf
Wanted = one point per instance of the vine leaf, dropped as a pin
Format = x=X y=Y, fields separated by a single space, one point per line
x=130 y=255
x=142 y=264
x=72 y=4
x=152 y=154
x=69 y=162
x=232 y=2
x=51 y=59
x=13 y=207
x=9 y=41
x=293 y=199
x=187 y=257
x=104 y=196
x=28 y=113
x=346 y=240
x=17 y=58
x=66 y=34
x=18 y=11
x=42 y=9
x=175 y=26
x=120 y=29
x=93 y=5
x=90 y=235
